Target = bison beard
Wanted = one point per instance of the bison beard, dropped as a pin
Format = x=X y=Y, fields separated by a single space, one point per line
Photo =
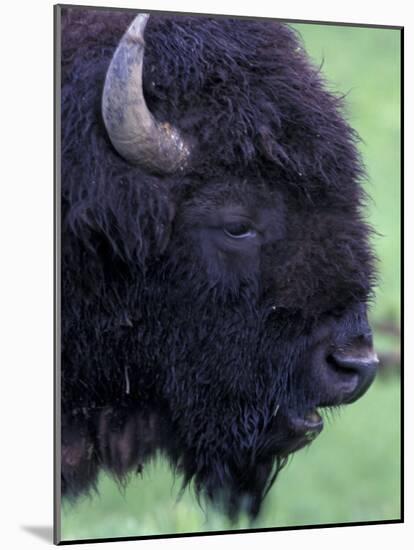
x=207 y=313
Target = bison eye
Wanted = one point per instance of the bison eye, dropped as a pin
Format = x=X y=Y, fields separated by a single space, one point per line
x=239 y=231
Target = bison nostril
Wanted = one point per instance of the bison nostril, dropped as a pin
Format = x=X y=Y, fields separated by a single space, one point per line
x=360 y=366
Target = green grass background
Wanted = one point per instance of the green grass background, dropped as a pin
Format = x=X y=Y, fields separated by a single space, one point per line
x=352 y=472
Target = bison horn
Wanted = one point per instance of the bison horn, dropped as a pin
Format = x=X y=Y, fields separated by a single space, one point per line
x=133 y=131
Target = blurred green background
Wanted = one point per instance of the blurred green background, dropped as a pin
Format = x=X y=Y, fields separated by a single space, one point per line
x=352 y=472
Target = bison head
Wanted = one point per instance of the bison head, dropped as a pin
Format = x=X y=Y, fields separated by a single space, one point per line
x=216 y=266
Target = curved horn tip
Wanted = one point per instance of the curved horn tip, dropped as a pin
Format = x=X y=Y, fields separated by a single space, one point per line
x=138 y=25
x=137 y=136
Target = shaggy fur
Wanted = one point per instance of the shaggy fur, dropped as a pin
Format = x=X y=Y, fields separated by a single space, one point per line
x=176 y=338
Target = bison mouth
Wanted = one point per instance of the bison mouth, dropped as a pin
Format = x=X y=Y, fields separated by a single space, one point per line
x=301 y=430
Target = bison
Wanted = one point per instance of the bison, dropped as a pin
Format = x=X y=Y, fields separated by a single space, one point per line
x=215 y=262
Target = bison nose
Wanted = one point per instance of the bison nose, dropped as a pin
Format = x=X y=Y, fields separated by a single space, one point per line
x=358 y=368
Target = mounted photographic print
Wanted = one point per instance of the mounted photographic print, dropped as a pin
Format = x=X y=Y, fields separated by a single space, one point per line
x=227 y=274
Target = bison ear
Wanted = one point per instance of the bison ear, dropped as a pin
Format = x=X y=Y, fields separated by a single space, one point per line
x=130 y=220
x=128 y=217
